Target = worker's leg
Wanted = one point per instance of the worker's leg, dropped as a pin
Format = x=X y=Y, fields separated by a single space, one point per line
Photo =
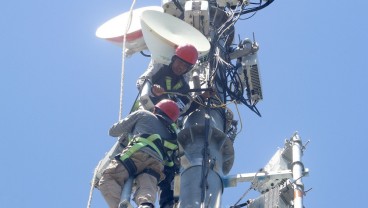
x=150 y=172
x=146 y=189
x=111 y=183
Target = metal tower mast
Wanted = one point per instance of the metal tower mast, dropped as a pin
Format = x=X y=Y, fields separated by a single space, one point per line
x=207 y=150
x=207 y=135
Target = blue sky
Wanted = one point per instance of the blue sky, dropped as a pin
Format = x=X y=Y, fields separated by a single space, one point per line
x=60 y=86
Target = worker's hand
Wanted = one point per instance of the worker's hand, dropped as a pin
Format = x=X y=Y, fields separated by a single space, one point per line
x=157 y=90
x=208 y=94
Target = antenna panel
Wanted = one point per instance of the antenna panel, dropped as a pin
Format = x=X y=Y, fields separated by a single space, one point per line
x=114 y=29
x=163 y=33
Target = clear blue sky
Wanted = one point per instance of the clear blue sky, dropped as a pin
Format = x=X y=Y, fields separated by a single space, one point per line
x=60 y=86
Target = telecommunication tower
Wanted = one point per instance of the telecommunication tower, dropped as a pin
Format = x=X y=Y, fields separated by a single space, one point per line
x=232 y=72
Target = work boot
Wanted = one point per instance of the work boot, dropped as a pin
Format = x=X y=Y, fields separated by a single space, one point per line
x=146 y=205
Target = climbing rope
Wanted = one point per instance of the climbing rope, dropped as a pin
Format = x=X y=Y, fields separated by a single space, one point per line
x=123 y=60
x=93 y=182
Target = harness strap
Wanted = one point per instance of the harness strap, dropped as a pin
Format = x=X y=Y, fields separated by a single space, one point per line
x=173 y=128
x=153 y=144
x=170 y=145
x=152 y=141
x=128 y=164
x=169 y=163
x=152 y=173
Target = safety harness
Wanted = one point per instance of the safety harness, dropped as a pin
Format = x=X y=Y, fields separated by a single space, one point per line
x=163 y=147
x=171 y=146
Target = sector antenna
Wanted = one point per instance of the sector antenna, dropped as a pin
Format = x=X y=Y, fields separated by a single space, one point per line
x=114 y=29
x=163 y=33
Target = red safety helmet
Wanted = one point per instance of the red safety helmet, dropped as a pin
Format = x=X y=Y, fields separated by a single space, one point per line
x=187 y=53
x=170 y=108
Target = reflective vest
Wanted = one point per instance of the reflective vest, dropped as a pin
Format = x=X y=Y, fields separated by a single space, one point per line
x=168 y=81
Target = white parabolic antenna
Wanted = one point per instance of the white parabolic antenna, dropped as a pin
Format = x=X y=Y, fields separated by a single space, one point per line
x=163 y=33
x=114 y=29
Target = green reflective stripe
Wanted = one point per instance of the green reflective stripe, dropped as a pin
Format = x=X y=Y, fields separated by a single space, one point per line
x=178 y=85
x=132 y=150
x=169 y=163
x=168 y=82
x=175 y=128
x=152 y=137
x=141 y=142
x=170 y=145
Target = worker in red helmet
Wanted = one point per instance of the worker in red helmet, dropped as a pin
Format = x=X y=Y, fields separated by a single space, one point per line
x=165 y=78
x=153 y=139
x=188 y=53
